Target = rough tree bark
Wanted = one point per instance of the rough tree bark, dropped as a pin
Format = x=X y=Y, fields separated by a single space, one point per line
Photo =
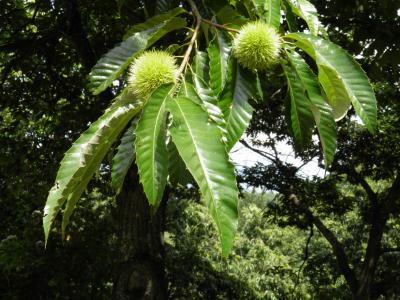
x=140 y=274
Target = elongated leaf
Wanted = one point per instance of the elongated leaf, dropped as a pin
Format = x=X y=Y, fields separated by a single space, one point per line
x=230 y=17
x=290 y=16
x=273 y=9
x=201 y=68
x=307 y=11
x=208 y=98
x=301 y=116
x=320 y=108
x=156 y=20
x=150 y=144
x=112 y=64
x=199 y=144
x=340 y=75
x=235 y=103
x=82 y=160
x=105 y=138
x=218 y=52
x=335 y=91
x=124 y=157
x=270 y=10
x=250 y=7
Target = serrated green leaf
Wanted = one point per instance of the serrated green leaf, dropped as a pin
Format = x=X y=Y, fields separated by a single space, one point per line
x=199 y=144
x=320 y=108
x=270 y=11
x=208 y=99
x=307 y=11
x=81 y=161
x=230 y=17
x=335 y=91
x=340 y=76
x=234 y=103
x=290 y=16
x=250 y=7
x=124 y=157
x=156 y=20
x=201 y=67
x=301 y=116
x=218 y=52
x=150 y=145
x=114 y=62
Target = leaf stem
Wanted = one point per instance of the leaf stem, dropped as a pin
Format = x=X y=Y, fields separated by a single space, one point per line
x=223 y=27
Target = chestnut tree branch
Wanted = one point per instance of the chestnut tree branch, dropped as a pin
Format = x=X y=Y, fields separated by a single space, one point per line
x=223 y=27
x=186 y=57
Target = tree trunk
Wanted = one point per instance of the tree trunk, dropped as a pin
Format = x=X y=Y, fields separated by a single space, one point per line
x=140 y=273
x=372 y=255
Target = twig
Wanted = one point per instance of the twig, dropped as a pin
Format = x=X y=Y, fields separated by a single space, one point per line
x=306 y=254
x=219 y=26
x=258 y=151
x=186 y=57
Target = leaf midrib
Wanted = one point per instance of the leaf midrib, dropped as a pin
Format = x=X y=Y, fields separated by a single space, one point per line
x=202 y=167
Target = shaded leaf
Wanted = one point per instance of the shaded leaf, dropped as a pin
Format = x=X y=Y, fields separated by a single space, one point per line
x=178 y=173
x=199 y=144
x=290 y=16
x=124 y=157
x=301 y=117
x=156 y=20
x=320 y=108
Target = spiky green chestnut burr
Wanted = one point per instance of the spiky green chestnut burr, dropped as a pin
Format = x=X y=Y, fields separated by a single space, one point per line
x=257 y=45
x=149 y=71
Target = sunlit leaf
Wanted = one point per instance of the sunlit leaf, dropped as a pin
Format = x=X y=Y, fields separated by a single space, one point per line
x=234 y=102
x=208 y=98
x=307 y=11
x=199 y=144
x=218 y=52
x=269 y=10
x=341 y=77
x=114 y=62
x=82 y=160
x=150 y=145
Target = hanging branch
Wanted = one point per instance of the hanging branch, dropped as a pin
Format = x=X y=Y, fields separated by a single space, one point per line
x=223 y=27
x=186 y=57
